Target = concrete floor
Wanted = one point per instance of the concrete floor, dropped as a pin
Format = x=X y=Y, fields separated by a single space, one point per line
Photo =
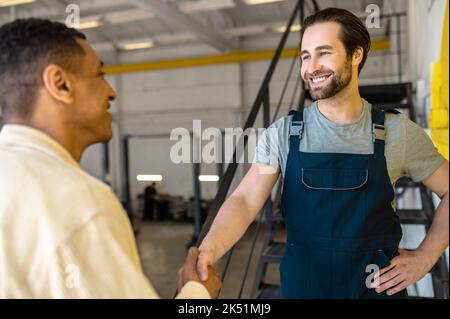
x=162 y=247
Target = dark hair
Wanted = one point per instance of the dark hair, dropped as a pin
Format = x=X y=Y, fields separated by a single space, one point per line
x=27 y=47
x=353 y=32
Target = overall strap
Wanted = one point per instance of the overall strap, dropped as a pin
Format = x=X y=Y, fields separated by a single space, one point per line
x=296 y=130
x=378 y=130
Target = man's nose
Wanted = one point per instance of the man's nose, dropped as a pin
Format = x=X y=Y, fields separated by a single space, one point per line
x=112 y=94
x=313 y=65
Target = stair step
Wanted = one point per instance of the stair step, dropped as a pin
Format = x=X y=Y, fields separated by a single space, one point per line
x=277 y=217
x=394 y=105
x=269 y=291
x=386 y=93
x=412 y=216
x=273 y=253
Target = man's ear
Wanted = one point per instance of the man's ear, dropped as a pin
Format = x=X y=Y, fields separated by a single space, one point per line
x=58 y=84
x=358 y=56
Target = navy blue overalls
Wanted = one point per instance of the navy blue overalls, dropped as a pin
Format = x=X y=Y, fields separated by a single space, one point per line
x=339 y=219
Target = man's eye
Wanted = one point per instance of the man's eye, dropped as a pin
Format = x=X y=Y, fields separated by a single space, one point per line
x=304 y=58
x=324 y=53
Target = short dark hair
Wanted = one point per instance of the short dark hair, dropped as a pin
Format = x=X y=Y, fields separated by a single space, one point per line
x=27 y=47
x=353 y=32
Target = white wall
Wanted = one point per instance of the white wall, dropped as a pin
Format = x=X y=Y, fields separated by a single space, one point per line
x=425 y=32
x=155 y=103
x=426 y=18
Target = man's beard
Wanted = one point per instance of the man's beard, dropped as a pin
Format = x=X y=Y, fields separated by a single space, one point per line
x=339 y=80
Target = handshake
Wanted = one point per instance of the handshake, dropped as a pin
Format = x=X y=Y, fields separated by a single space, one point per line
x=197 y=267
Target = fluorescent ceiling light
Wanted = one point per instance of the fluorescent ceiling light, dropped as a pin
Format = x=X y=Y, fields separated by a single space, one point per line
x=128 y=16
x=205 y=5
x=136 y=45
x=294 y=28
x=208 y=178
x=252 y=2
x=90 y=23
x=6 y=3
x=149 y=178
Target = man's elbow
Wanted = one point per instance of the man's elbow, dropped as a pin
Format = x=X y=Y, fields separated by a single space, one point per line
x=239 y=202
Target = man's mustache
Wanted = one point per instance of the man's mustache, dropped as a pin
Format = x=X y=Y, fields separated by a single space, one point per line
x=319 y=73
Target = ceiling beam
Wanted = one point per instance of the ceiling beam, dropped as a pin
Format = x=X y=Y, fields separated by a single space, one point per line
x=172 y=15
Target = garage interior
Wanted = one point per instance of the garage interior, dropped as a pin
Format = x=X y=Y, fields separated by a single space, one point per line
x=233 y=64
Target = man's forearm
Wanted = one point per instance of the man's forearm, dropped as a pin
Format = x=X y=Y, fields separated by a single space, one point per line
x=228 y=227
x=436 y=241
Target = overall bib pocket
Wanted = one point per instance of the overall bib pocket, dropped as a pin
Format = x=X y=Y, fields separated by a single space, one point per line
x=334 y=179
x=333 y=194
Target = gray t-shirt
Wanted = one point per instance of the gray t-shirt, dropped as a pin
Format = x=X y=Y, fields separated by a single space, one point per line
x=409 y=151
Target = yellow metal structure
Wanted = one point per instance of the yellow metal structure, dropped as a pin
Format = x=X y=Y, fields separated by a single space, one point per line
x=234 y=57
x=439 y=117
